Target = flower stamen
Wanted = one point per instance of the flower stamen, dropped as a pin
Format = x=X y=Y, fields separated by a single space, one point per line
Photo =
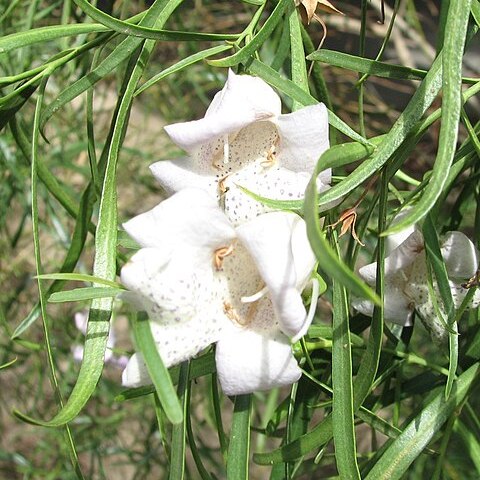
x=270 y=157
x=221 y=184
x=472 y=282
x=220 y=254
x=232 y=314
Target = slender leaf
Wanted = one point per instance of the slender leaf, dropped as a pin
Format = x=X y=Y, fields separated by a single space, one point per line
x=406 y=122
x=239 y=447
x=128 y=28
x=87 y=293
x=415 y=437
x=371 y=67
x=327 y=258
x=156 y=369
x=179 y=430
x=343 y=426
x=454 y=43
x=256 y=42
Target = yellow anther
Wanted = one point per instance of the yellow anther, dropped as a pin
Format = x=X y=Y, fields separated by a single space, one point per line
x=221 y=184
x=220 y=254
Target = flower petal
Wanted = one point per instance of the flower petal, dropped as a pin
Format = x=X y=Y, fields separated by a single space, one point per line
x=175 y=175
x=190 y=218
x=176 y=343
x=394 y=240
x=273 y=183
x=303 y=137
x=279 y=245
x=249 y=362
x=243 y=100
x=135 y=373
x=399 y=259
x=166 y=289
x=460 y=255
x=398 y=308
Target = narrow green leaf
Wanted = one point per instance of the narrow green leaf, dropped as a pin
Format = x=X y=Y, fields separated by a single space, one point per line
x=217 y=411
x=156 y=369
x=327 y=259
x=38 y=266
x=298 y=64
x=79 y=277
x=415 y=437
x=128 y=28
x=342 y=413
x=256 y=42
x=452 y=55
x=476 y=11
x=179 y=430
x=185 y=62
x=406 y=122
x=124 y=50
x=105 y=252
x=73 y=254
x=317 y=437
x=239 y=447
x=196 y=454
x=87 y=293
x=471 y=443
x=9 y=110
x=365 y=65
x=365 y=378
x=435 y=259
x=45 y=34
x=371 y=67
x=8 y=364
x=199 y=367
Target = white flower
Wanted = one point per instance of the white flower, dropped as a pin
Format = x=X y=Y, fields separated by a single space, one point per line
x=395 y=239
x=81 y=319
x=202 y=281
x=406 y=287
x=243 y=140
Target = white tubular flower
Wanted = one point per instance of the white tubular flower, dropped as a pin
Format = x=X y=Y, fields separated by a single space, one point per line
x=395 y=239
x=203 y=281
x=406 y=287
x=244 y=140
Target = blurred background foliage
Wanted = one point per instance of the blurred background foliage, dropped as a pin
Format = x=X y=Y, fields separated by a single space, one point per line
x=122 y=439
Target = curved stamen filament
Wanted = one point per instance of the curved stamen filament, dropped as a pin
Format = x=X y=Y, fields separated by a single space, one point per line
x=255 y=296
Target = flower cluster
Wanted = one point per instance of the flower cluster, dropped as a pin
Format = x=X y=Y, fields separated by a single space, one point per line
x=406 y=280
x=216 y=265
